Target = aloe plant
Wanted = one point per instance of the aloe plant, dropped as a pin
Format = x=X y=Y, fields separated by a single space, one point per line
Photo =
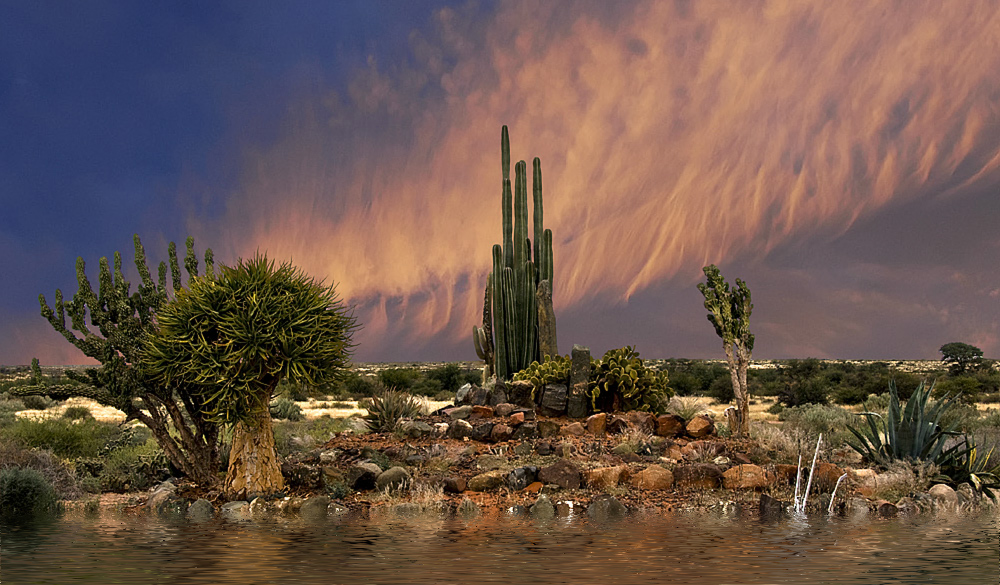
x=911 y=432
x=965 y=463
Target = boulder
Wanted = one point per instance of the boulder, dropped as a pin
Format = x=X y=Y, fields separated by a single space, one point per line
x=943 y=495
x=484 y=482
x=603 y=478
x=161 y=497
x=825 y=476
x=698 y=476
x=578 y=403
x=393 y=478
x=669 y=425
x=238 y=511
x=315 y=507
x=548 y=428
x=490 y=462
x=643 y=421
x=700 y=426
x=519 y=393
x=479 y=396
x=414 y=429
x=575 y=429
x=579 y=369
x=454 y=485
x=504 y=409
x=563 y=473
x=201 y=510
x=482 y=432
x=522 y=477
x=361 y=476
x=481 y=412
x=500 y=432
x=460 y=429
x=459 y=412
x=554 y=398
x=746 y=477
x=523 y=449
x=605 y=507
x=527 y=430
x=653 y=477
x=771 y=507
x=886 y=509
x=543 y=508
x=462 y=396
x=261 y=509
x=497 y=396
x=597 y=423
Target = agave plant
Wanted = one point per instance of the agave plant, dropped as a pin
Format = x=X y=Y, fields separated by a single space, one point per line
x=912 y=432
x=965 y=463
x=388 y=407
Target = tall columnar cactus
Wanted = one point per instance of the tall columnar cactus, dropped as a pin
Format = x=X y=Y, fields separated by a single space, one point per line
x=521 y=304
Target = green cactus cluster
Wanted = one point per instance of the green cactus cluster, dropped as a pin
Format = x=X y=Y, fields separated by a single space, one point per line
x=521 y=304
x=619 y=381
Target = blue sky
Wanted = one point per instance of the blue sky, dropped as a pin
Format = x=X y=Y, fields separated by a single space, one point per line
x=841 y=158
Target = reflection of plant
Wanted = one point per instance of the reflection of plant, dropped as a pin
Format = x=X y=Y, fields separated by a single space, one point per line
x=388 y=407
x=912 y=432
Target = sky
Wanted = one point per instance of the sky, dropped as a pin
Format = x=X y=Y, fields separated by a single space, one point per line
x=842 y=158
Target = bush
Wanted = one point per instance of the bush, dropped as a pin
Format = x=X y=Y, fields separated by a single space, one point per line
x=452 y=377
x=285 y=409
x=36 y=402
x=399 y=378
x=134 y=467
x=297 y=436
x=358 y=386
x=294 y=391
x=77 y=413
x=686 y=408
x=721 y=389
x=813 y=419
x=66 y=438
x=55 y=471
x=388 y=407
x=24 y=492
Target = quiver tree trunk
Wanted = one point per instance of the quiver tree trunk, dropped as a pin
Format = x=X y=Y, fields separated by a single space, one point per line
x=254 y=466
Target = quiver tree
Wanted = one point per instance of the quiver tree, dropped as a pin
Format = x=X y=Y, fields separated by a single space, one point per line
x=519 y=290
x=109 y=326
x=729 y=311
x=235 y=337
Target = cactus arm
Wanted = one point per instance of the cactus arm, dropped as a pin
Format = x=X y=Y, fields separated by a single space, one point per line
x=538 y=234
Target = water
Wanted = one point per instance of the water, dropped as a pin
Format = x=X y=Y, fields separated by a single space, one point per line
x=680 y=548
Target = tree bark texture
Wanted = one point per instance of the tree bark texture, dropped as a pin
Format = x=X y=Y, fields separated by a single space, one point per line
x=254 y=467
x=738 y=360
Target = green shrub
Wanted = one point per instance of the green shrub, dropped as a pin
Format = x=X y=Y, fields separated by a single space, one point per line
x=66 y=438
x=399 y=378
x=11 y=405
x=294 y=391
x=429 y=387
x=814 y=419
x=57 y=472
x=286 y=409
x=964 y=388
x=35 y=402
x=297 y=436
x=358 y=386
x=848 y=394
x=388 y=407
x=77 y=413
x=134 y=468
x=452 y=377
x=24 y=492
x=721 y=389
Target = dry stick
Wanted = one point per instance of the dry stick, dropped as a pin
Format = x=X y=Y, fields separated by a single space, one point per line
x=805 y=496
x=798 y=480
x=829 y=511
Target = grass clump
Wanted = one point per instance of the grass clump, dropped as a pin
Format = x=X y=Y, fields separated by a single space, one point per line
x=24 y=492
x=387 y=407
x=294 y=436
x=686 y=407
x=77 y=413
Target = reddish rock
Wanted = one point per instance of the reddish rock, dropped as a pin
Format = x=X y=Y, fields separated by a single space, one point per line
x=517 y=418
x=698 y=476
x=563 y=473
x=501 y=432
x=534 y=487
x=785 y=473
x=653 y=477
x=481 y=412
x=700 y=426
x=673 y=451
x=603 y=478
x=548 y=428
x=572 y=430
x=741 y=458
x=825 y=476
x=669 y=425
x=746 y=477
x=597 y=423
x=643 y=421
x=454 y=485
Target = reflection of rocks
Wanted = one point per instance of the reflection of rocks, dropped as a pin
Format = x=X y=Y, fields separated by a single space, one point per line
x=605 y=507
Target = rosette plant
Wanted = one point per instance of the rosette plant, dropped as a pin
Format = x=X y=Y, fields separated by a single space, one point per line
x=234 y=337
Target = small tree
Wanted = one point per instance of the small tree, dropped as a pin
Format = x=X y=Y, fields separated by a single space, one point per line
x=729 y=311
x=961 y=357
x=235 y=337
x=108 y=326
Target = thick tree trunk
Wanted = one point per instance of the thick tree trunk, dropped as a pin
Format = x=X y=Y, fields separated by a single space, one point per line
x=738 y=362
x=254 y=467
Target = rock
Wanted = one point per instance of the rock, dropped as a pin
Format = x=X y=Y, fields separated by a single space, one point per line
x=700 y=426
x=886 y=509
x=698 y=476
x=548 y=428
x=482 y=432
x=543 y=448
x=554 y=398
x=289 y=505
x=301 y=476
x=563 y=473
x=490 y=462
x=673 y=451
x=462 y=396
x=564 y=509
x=454 y=485
x=459 y=412
x=579 y=369
x=497 y=396
x=575 y=429
x=522 y=477
x=523 y=449
x=865 y=481
x=825 y=476
x=441 y=429
x=564 y=449
x=534 y=487
x=785 y=474
x=597 y=423
x=603 y=478
x=543 y=508
x=907 y=505
x=414 y=429
x=479 y=396
x=460 y=429
x=500 y=432
x=653 y=477
x=503 y=409
x=741 y=458
x=201 y=510
x=669 y=425
x=722 y=461
x=329 y=456
x=643 y=421
x=517 y=418
x=527 y=413
x=578 y=404
x=527 y=430
x=616 y=425
x=238 y=511
x=481 y=412
x=159 y=500
x=519 y=393
x=315 y=507
x=485 y=482
x=260 y=509
x=746 y=477
x=393 y=478
x=771 y=507
x=361 y=476
x=943 y=495
x=605 y=507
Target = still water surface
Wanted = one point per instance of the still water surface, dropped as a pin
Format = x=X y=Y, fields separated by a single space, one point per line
x=679 y=548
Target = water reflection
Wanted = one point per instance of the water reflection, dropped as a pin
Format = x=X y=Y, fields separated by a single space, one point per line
x=680 y=548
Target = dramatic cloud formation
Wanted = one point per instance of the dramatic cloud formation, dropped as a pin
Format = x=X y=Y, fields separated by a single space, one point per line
x=777 y=139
